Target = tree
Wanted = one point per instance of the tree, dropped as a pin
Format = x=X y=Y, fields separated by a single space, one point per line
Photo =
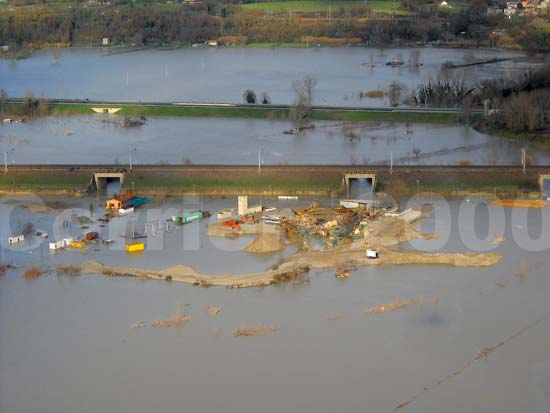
x=305 y=87
x=249 y=96
x=303 y=98
x=3 y=97
x=265 y=99
x=394 y=93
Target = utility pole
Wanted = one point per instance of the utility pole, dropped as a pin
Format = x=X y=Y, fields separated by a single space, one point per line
x=166 y=71
x=259 y=160
x=523 y=160
x=132 y=152
x=417 y=190
x=391 y=163
x=329 y=12
x=5 y=162
x=133 y=187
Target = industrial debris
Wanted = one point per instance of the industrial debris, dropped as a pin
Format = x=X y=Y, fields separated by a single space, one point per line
x=177 y=321
x=258 y=330
x=396 y=305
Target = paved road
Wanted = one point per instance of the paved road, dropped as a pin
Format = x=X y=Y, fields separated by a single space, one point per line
x=285 y=168
x=217 y=105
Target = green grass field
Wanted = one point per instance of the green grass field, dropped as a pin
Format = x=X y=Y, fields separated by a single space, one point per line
x=256 y=184
x=312 y=6
x=256 y=112
x=42 y=182
x=283 y=45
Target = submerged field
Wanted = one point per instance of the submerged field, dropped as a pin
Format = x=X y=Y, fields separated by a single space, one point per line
x=323 y=345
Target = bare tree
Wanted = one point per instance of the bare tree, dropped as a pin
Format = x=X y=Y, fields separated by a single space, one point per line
x=42 y=106
x=299 y=113
x=305 y=87
x=415 y=58
x=3 y=97
x=56 y=56
x=303 y=98
x=394 y=92
x=265 y=99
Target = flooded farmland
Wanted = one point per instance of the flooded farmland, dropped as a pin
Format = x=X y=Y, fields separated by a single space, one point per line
x=68 y=345
x=237 y=141
x=193 y=74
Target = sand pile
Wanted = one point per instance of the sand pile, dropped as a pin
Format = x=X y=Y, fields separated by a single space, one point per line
x=264 y=243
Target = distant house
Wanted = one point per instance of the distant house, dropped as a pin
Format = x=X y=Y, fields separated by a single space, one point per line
x=444 y=5
x=213 y=43
x=105 y=41
x=5 y=48
x=494 y=10
x=118 y=202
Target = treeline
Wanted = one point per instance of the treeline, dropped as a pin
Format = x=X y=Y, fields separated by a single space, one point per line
x=31 y=106
x=154 y=24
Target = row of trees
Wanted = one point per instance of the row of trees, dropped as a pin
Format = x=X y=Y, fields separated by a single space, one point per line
x=524 y=112
x=31 y=106
x=148 y=23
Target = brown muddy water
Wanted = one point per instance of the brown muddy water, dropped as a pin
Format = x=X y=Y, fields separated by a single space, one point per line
x=66 y=343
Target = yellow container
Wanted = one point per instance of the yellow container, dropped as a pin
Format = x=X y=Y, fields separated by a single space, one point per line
x=135 y=247
x=77 y=244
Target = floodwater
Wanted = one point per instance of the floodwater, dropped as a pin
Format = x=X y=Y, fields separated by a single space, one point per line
x=66 y=344
x=195 y=75
x=99 y=139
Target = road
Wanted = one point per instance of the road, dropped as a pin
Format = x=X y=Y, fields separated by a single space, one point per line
x=216 y=105
x=402 y=169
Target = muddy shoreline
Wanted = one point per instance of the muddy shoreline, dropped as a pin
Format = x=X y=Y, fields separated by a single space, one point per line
x=295 y=265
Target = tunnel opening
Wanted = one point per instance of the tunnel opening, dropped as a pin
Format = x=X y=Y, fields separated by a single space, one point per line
x=360 y=188
x=359 y=185
x=108 y=183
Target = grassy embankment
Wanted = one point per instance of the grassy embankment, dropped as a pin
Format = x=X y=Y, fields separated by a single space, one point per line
x=252 y=185
x=312 y=6
x=173 y=185
x=254 y=112
x=42 y=183
x=400 y=186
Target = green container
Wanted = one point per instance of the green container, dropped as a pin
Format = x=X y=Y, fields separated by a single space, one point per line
x=193 y=216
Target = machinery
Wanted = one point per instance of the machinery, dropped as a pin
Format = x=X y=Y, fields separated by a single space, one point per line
x=232 y=224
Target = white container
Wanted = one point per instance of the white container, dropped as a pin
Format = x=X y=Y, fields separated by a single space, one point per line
x=57 y=245
x=125 y=211
x=372 y=254
x=16 y=239
x=224 y=213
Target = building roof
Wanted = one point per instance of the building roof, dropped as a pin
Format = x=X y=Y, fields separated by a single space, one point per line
x=122 y=198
